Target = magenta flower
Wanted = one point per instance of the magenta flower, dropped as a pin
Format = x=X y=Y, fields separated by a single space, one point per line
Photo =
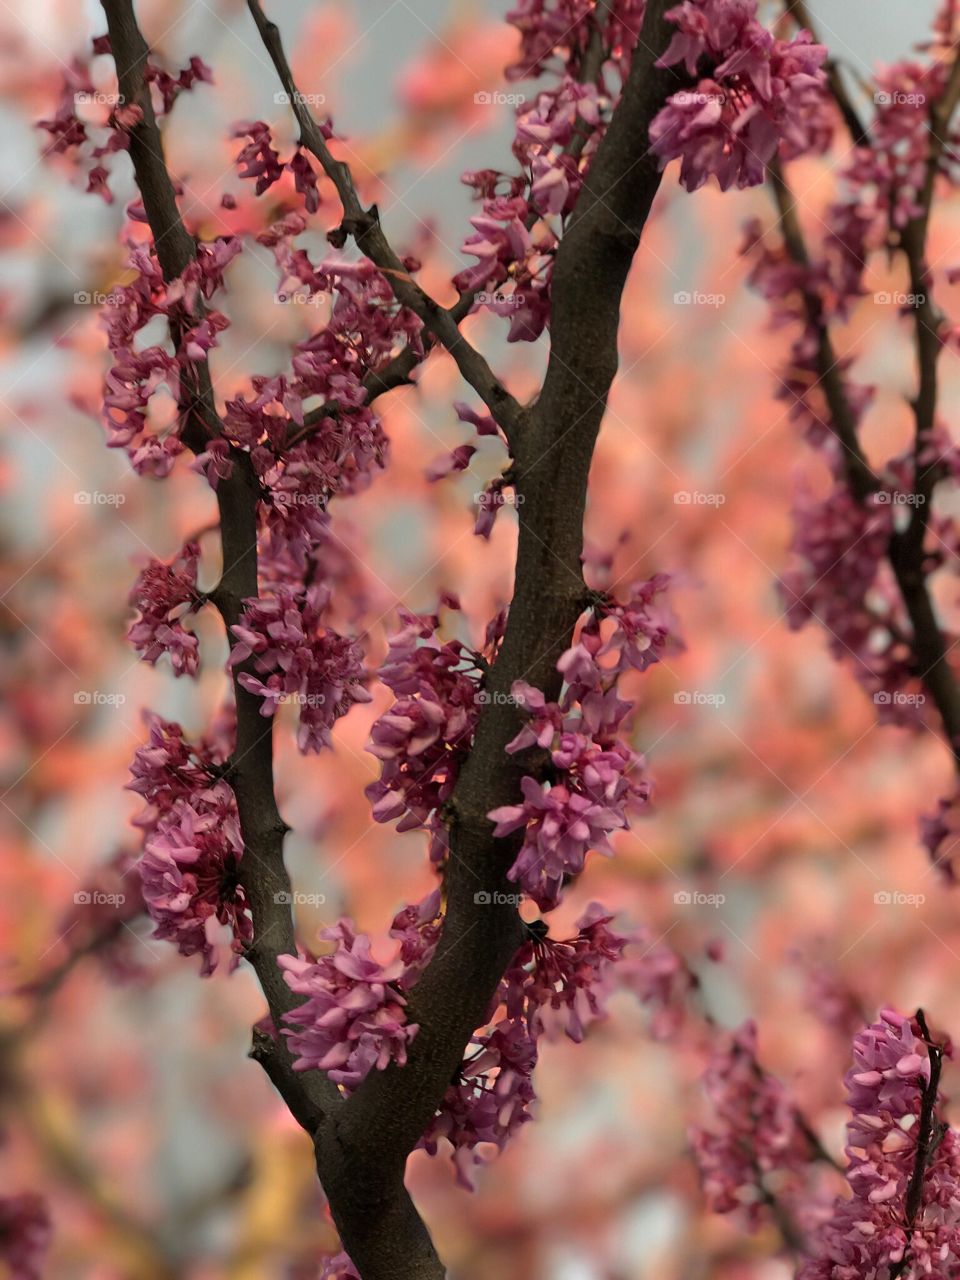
x=759 y=94
x=421 y=740
x=25 y=1232
x=354 y=1017
x=755 y=1131
x=294 y=657
x=883 y=1227
x=165 y=594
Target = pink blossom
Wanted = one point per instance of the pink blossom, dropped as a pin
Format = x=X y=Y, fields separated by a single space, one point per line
x=192 y=844
x=354 y=1016
x=166 y=594
x=754 y=1130
x=761 y=93
x=417 y=928
x=871 y=1230
x=425 y=734
x=490 y=1098
x=941 y=832
x=290 y=654
x=661 y=980
x=25 y=1231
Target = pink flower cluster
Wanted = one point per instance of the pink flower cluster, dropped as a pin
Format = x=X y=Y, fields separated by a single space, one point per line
x=25 y=1231
x=138 y=371
x=841 y=578
x=550 y=984
x=422 y=739
x=594 y=781
x=755 y=1130
x=417 y=928
x=874 y=1231
x=941 y=835
x=165 y=594
x=259 y=160
x=516 y=233
x=192 y=845
x=354 y=1016
x=70 y=126
x=661 y=980
x=292 y=656
x=757 y=95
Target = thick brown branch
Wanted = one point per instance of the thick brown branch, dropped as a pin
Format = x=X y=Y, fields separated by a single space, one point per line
x=553 y=455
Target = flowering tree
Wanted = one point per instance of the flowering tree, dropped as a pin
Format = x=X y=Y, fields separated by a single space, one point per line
x=513 y=755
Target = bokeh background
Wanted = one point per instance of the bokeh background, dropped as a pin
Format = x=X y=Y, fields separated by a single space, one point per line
x=127 y=1098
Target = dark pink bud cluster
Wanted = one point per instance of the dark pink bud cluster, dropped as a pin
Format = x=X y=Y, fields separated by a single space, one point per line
x=85 y=112
x=166 y=594
x=754 y=1131
x=941 y=835
x=889 y=1223
x=593 y=780
x=258 y=159
x=25 y=1232
x=841 y=577
x=191 y=846
x=354 y=1016
x=421 y=741
x=757 y=95
x=292 y=656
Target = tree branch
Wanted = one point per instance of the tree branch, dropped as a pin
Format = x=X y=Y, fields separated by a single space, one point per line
x=262 y=872
x=799 y=11
x=906 y=547
x=362 y=1143
x=364 y=226
x=553 y=461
